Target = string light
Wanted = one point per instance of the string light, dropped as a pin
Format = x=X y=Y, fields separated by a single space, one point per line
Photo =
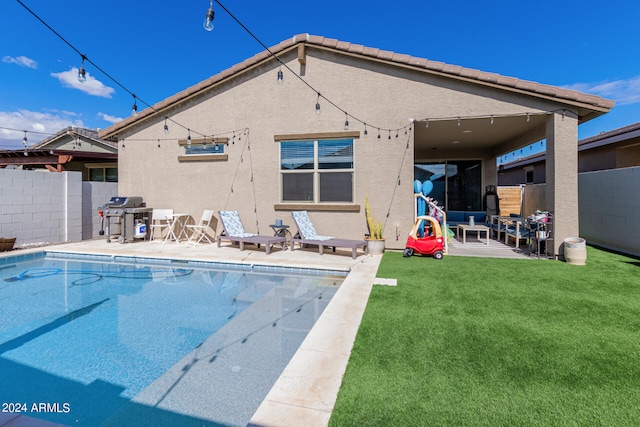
x=491 y=120
x=426 y=123
x=158 y=142
x=134 y=108
x=346 y=121
x=280 y=76
x=458 y=121
x=378 y=133
x=208 y=17
x=166 y=127
x=318 y=104
x=189 y=136
x=366 y=132
x=24 y=140
x=528 y=118
x=389 y=135
x=82 y=74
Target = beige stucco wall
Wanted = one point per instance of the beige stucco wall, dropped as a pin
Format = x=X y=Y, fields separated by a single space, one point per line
x=376 y=93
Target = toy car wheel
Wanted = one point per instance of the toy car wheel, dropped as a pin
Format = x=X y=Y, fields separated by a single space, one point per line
x=407 y=252
x=438 y=255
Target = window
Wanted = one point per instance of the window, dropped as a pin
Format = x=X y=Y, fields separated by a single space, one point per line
x=317 y=171
x=204 y=149
x=102 y=174
x=528 y=175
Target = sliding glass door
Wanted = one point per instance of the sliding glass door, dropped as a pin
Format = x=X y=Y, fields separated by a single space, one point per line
x=457 y=184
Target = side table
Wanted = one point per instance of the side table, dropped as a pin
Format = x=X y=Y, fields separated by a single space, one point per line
x=282 y=230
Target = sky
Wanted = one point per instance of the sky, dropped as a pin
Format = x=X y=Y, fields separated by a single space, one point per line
x=157 y=49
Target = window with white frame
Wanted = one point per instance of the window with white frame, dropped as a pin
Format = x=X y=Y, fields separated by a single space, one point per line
x=317 y=171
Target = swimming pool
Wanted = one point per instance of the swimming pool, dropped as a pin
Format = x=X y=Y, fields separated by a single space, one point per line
x=104 y=341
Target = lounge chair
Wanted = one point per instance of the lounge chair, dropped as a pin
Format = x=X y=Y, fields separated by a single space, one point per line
x=234 y=231
x=307 y=236
x=198 y=232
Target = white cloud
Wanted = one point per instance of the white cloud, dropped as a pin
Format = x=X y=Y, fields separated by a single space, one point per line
x=92 y=86
x=109 y=118
x=22 y=61
x=624 y=92
x=38 y=126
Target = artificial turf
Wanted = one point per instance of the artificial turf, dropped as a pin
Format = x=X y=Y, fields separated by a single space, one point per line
x=497 y=342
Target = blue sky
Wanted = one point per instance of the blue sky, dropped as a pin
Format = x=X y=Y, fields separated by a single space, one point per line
x=156 y=49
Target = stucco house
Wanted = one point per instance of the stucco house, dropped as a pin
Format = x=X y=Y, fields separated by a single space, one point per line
x=70 y=149
x=343 y=121
x=619 y=148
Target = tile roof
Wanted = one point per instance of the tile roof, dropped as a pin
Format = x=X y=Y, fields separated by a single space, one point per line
x=509 y=83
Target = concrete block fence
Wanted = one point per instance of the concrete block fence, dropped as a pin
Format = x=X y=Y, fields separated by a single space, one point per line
x=38 y=207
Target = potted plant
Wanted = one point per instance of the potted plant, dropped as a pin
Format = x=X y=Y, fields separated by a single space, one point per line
x=374 y=239
x=7 y=244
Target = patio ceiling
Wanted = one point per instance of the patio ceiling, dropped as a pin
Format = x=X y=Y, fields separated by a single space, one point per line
x=451 y=136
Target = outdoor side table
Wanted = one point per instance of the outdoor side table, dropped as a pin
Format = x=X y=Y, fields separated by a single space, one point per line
x=282 y=230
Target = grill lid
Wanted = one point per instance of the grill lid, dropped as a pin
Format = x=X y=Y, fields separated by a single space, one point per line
x=125 y=202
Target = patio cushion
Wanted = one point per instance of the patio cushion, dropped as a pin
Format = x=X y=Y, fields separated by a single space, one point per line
x=307 y=231
x=233 y=225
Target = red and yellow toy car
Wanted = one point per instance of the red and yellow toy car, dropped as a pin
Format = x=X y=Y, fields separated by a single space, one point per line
x=431 y=242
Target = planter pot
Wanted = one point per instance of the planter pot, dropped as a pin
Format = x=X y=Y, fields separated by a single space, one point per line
x=575 y=251
x=7 y=244
x=375 y=247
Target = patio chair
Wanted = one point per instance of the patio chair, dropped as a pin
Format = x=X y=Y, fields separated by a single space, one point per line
x=307 y=236
x=233 y=230
x=160 y=220
x=198 y=232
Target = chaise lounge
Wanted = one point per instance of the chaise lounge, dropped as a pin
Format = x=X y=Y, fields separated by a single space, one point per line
x=234 y=231
x=307 y=236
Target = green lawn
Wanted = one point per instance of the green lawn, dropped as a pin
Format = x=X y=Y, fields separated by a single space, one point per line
x=497 y=342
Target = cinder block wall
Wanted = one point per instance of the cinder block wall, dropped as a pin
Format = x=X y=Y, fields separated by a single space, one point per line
x=609 y=206
x=44 y=207
x=94 y=194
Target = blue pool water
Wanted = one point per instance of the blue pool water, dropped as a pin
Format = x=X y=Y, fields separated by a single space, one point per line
x=89 y=335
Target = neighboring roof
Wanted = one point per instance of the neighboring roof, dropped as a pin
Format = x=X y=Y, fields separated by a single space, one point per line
x=605 y=138
x=613 y=136
x=591 y=102
x=87 y=134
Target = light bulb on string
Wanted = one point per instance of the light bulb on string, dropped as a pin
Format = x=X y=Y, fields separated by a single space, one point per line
x=82 y=73
x=458 y=121
x=280 y=79
x=528 y=118
x=208 y=17
x=24 y=140
x=189 y=136
x=426 y=123
x=389 y=135
x=366 y=132
x=134 y=108
x=318 y=104
x=166 y=127
x=378 y=133
x=346 y=121
x=158 y=142
x=491 y=119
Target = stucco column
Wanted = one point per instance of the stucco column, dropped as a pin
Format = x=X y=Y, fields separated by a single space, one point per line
x=562 y=176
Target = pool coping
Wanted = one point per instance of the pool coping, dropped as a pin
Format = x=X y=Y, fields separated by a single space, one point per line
x=306 y=391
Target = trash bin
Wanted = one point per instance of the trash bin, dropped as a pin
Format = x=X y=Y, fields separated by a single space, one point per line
x=575 y=251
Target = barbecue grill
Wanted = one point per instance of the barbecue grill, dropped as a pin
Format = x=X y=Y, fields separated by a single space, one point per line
x=124 y=218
